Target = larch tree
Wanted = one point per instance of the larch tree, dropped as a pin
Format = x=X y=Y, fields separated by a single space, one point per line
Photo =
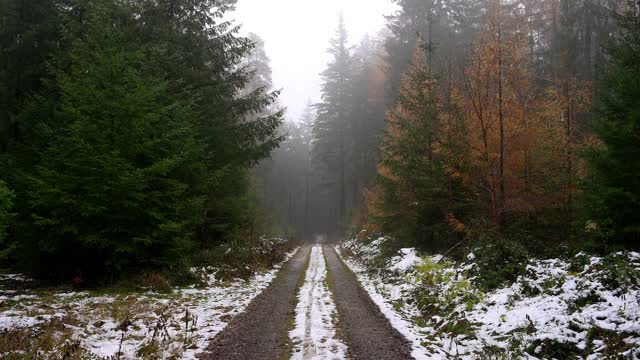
x=511 y=121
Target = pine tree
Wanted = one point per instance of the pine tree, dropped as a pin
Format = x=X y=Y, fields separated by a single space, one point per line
x=111 y=194
x=332 y=123
x=412 y=179
x=613 y=196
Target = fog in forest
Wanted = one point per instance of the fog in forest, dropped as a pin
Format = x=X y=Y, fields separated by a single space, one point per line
x=372 y=85
x=297 y=73
x=244 y=179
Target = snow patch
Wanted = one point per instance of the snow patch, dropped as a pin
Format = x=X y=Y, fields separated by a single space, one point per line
x=314 y=336
x=408 y=258
x=106 y=325
x=549 y=302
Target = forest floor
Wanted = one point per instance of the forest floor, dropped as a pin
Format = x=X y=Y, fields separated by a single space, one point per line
x=39 y=322
x=309 y=308
x=578 y=307
x=344 y=302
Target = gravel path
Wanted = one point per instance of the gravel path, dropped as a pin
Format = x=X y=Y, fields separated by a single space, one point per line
x=261 y=332
x=368 y=333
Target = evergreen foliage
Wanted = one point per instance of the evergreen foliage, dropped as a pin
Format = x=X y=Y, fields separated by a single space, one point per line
x=6 y=205
x=414 y=187
x=613 y=194
x=136 y=140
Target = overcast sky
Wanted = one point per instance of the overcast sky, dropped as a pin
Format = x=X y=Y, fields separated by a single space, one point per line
x=297 y=33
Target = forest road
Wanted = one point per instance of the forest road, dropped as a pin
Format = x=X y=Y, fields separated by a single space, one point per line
x=262 y=331
x=368 y=334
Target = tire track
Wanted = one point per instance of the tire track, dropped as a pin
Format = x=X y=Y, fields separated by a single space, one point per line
x=369 y=334
x=261 y=332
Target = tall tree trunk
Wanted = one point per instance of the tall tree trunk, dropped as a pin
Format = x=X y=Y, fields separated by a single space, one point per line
x=306 y=231
x=342 y=197
x=502 y=197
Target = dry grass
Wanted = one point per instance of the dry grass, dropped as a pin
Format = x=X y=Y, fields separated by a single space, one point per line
x=51 y=340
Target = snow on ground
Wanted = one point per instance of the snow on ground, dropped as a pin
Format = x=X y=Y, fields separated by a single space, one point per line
x=176 y=325
x=437 y=307
x=384 y=296
x=314 y=336
x=407 y=259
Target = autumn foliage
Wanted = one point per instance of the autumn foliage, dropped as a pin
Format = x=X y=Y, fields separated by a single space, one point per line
x=484 y=143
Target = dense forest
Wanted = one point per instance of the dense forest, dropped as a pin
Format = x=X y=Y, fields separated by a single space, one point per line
x=507 y=123
x=128 y=130
x=139 y=134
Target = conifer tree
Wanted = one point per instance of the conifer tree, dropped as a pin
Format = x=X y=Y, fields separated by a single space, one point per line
x=330 y=129
x=111 y=192
x=28 y=38
x=613 y=196
x=413 y=182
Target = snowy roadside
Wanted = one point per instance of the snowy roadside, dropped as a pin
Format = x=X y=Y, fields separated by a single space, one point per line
x=555 y=309
x=126 y=326
x=384 y=295
x=314 y=336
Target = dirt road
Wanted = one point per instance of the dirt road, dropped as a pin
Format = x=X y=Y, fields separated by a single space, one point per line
x=369 y=334
x=262 y=332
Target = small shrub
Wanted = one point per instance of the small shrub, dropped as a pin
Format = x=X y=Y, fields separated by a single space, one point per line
x=613 y=341
x=619 y=272
x=431 y=274
x=457 y=327
x=240 y=259
x=529 y=289
x=553 y=349
x=499 y=261
x=157 y=282
x=440 y=291
x=583 y=301
x=551 y=285
x=51 y=340
x=578 y=263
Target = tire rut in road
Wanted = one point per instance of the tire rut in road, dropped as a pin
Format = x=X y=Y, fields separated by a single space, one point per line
x=262 y=331
x=369 y=335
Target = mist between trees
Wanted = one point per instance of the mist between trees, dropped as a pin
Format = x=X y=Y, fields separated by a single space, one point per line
x=144 y=135
x=472 y=122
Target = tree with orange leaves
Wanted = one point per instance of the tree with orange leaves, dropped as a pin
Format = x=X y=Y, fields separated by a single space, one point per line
x=514 y=126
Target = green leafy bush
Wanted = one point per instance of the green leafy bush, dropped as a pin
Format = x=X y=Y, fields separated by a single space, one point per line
x=499 y=261
x=441 y=290
x=613 y=341
x=553 y=349
x=619 y=273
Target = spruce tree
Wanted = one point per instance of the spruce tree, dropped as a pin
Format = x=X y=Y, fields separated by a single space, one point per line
x=199 y=50
x=613 y=197
x=110 y=193
x=28 y=38
x=330 y=150
x=412 y=181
